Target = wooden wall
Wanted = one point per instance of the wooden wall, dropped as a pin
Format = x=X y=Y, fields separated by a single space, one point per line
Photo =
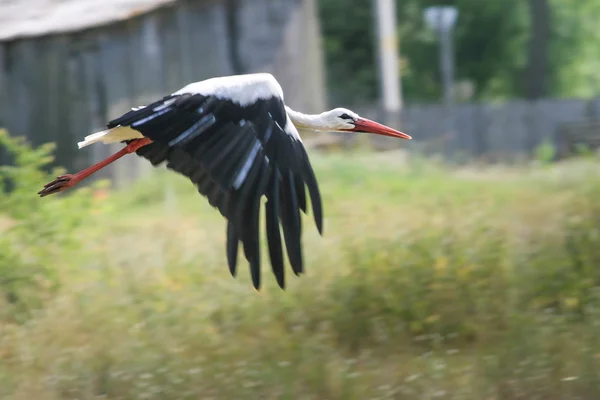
x=60 y=88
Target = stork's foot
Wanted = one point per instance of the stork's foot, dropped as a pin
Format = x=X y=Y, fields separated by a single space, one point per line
x=64 y=182
x=60 y=184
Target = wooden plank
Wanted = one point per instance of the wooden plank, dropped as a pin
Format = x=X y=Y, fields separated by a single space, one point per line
x=170 y=49
x=569 y=135
x=184 y=26
x=21 y=87
x=56 y=102
x=9 y=88
x=148 y=65
x=44 y=94
x=481 y=137
x=36 y=90
x=146 y=60
x=593 y=108
x=209 y=35
x=3 y=88
x=76 y=126
x=4 y=159
x=95 y=106
x=466 y=131
x=116 y=79
x=550 y=113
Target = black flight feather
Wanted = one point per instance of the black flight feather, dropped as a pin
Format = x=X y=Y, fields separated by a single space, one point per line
x=272 y=228
x=300 y=192
x=232 y=248
x=290 y=218
x=235 y=155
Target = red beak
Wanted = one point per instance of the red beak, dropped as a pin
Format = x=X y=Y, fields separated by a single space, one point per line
x=368 y=126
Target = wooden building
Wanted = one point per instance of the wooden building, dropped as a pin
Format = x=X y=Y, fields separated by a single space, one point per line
x=68 y=66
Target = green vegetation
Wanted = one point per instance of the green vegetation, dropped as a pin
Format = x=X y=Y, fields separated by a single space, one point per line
x=491 y=49
x=428 y=283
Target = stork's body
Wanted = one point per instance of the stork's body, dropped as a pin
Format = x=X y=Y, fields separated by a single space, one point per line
x=235 y=139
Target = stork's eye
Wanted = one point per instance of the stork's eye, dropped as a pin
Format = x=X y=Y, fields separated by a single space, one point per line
x=345 y=116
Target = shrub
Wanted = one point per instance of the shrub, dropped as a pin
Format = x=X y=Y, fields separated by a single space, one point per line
x=436 y=284
x=35 y=234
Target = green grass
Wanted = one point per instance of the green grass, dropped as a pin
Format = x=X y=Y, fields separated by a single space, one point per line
x=428 y=283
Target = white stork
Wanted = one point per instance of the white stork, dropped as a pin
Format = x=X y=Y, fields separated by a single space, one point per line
x=236 y=140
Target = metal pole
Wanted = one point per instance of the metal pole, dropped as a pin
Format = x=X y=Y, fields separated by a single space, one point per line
x=447 y=67
x=389 y=68
x=448 y=82
x=388 y=53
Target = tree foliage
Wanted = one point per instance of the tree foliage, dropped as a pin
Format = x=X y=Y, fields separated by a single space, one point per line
x=348 y=40
x=490 y=40
x=575 y=54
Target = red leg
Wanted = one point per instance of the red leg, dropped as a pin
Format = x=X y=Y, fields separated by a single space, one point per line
x=64 y=182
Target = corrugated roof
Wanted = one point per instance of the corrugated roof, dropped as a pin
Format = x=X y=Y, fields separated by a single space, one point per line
x=27 y=18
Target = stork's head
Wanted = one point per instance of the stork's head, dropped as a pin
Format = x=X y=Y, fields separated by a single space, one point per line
x=344 y=120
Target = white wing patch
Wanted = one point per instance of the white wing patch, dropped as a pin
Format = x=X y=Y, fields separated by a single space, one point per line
x=241 y=89
x=291 y=129
x=114 y=135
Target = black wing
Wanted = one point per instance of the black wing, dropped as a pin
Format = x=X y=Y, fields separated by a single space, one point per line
x=235 y=155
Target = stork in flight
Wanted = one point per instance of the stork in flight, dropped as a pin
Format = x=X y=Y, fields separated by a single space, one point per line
x=236 y=140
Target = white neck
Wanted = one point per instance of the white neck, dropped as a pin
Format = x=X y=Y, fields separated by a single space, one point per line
x=306 y=122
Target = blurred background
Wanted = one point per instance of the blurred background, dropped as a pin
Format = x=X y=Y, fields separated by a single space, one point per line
x=464 y=264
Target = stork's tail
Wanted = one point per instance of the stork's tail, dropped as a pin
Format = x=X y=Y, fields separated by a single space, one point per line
x=93 y=138
x=114 y=135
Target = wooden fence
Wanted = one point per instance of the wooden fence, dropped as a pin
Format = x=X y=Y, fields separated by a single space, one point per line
x=506 y=131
